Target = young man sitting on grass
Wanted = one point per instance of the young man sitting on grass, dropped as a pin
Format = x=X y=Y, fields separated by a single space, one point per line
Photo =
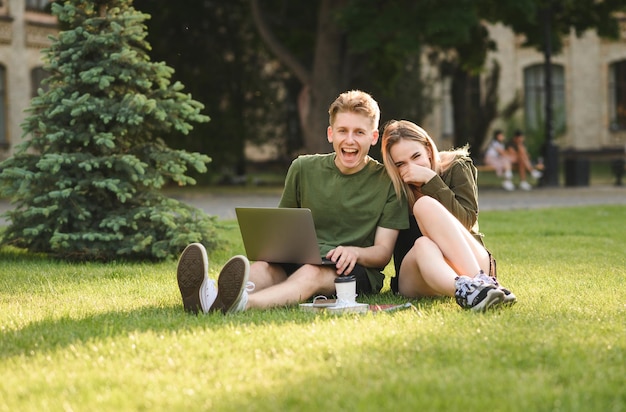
x=357 y=217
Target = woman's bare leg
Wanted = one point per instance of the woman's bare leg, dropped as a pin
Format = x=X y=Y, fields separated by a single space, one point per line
x=465 y=254
x=425 y=272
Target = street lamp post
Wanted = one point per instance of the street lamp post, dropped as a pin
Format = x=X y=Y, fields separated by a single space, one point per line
x=550 y=150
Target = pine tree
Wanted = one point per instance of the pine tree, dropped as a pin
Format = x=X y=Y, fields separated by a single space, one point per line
x=86 y=181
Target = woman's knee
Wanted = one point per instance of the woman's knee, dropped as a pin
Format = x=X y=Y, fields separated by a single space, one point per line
x=424 y=205
x=422 y=247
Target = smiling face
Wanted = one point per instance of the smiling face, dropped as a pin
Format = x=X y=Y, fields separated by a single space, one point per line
x=407 y=151
x=351 y=135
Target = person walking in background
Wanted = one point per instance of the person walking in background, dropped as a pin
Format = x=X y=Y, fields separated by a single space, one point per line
x=518 y=154
x=497 y=157
x=357 y=218
x=442 y=253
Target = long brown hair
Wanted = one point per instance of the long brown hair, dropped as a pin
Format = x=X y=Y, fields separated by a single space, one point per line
x=397 y=130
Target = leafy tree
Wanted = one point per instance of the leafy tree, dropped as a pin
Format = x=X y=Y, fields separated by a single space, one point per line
x=370 y=44
x=86 y=182
x=453 y=37
x=527 y=17
x=217 y=54
x=379 y=37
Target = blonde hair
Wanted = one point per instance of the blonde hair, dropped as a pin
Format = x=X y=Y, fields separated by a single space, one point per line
x=355 y=101
x=397 y=130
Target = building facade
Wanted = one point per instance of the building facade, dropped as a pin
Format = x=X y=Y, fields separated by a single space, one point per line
x=588 y=84
x=24 y=29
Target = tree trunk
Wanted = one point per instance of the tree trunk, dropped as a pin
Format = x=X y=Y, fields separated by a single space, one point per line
x=460 y=104
x=323 y=83
x=325 y=80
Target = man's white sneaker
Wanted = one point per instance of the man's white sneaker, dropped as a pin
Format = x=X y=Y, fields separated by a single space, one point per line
x=232 y=285
x=197 y=291
x=240 y=305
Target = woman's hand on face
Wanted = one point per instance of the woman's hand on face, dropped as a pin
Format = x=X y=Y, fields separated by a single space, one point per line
x=416 y=174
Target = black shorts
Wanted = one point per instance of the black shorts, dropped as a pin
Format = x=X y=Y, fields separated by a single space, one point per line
x=363 y=284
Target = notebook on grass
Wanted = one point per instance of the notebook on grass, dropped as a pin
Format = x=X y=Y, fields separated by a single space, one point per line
x=279 y=235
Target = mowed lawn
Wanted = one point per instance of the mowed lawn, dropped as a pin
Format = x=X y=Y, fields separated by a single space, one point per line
x=114 y=337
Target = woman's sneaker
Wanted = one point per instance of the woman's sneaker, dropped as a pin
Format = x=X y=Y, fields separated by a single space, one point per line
x=509 y=297
x=476 y=295
x=233 y=286
x=196 y=289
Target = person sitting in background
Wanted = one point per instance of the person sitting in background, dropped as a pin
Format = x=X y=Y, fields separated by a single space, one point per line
x=518 y=154
x=497 y=157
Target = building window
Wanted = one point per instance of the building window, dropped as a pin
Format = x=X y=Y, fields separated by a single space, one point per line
x=37 y=75
x=617 y=95
x=4 y=143
x=535 y=99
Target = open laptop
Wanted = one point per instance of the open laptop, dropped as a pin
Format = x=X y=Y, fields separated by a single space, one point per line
x=279 y=235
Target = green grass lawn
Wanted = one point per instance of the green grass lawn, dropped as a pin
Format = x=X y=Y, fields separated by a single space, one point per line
x=114 y=337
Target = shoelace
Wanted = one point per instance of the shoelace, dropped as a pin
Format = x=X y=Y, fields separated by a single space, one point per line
x=490 y=280
x=250 y=286
x=463 y=288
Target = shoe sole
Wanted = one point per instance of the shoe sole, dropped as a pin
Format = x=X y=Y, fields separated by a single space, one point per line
x=191 y=275
x=493 y=297
x=231 y=283
x=509 y=299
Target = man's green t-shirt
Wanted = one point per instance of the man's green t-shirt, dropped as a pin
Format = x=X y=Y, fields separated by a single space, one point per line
x=346 y=209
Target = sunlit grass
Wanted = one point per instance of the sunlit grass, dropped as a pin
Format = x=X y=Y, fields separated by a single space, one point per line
x=91 y=337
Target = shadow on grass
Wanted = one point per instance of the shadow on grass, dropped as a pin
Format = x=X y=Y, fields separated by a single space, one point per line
x=52 y=334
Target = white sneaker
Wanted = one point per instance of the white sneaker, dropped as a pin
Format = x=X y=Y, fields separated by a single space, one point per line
x=197 y=291
x=508 y=185
x=524 y=185
x=208 y=294
x=509 y=297
x=240 y=305
x=233 y=286
x=476 y=295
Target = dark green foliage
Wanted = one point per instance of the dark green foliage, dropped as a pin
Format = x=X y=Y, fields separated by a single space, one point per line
x=86 y=180
x=214 y=48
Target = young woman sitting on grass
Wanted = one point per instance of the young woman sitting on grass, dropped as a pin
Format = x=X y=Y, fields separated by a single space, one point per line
x=442 y=253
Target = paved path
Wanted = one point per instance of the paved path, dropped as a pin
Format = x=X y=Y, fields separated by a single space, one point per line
x=222 y=205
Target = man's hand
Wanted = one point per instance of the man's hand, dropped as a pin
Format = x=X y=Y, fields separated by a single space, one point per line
x=345 y=257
